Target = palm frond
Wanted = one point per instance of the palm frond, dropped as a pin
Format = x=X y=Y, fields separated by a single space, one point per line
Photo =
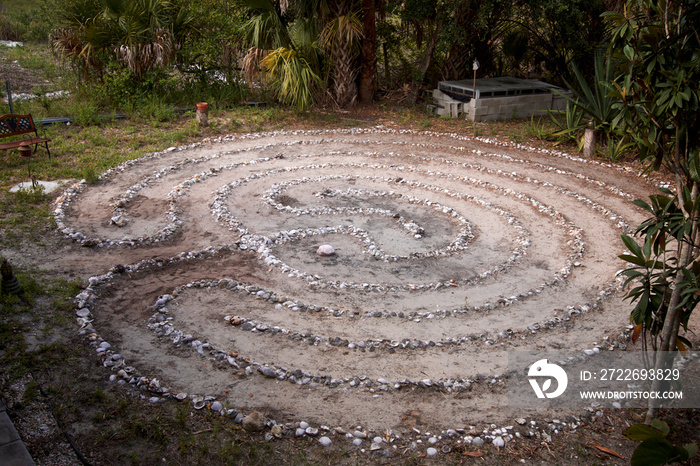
x=291 y=77
x=251 y=64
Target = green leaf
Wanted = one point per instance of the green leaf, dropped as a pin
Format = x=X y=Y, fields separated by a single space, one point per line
x=655 y=452
x=639 y=313
x=661 y=425
x=642 y=204
x=692 y=449
x=656 y=265
x=633 y=259
x=641 y=432
x=632 y=246
x=694 y=167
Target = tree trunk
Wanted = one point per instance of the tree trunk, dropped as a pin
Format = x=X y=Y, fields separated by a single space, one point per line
x=386 y=66
x=344 y=74
x=344 y=60
x=368 y=67
x=669 y=335
x=425 y=65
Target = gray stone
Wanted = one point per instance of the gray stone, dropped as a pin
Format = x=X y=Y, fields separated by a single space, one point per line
x=267 y=372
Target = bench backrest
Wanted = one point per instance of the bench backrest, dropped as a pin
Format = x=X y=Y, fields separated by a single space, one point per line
x=13 y=124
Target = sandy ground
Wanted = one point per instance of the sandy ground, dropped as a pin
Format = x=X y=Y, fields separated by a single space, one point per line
x=450 y=252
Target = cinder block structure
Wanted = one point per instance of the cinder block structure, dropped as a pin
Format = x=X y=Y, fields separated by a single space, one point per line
x=495 y=98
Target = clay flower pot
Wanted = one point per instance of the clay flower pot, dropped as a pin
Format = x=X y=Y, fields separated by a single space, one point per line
x=202 y=106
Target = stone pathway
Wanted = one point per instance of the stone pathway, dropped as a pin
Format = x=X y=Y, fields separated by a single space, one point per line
x=12 y=449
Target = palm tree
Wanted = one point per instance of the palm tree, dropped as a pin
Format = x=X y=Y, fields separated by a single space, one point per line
x=83 y=35
x=341 y=39
x=292 y=37
x=286 y=48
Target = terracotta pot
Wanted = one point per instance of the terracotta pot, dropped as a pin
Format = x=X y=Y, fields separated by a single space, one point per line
x=202 y=106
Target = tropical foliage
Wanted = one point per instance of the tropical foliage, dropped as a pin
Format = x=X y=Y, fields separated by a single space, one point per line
x=657 y=97
x=592 y=105
x=291 y=76
x=339 y=47
x=286 y=47
x=141 y=34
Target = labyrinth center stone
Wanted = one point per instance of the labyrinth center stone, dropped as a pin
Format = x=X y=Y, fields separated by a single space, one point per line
x=454 y=251
x=325 y=250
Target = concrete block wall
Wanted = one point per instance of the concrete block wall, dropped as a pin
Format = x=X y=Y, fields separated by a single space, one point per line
x=498 y=108
x=446 y=105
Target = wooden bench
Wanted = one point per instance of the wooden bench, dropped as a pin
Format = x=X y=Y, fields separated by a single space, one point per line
x=14 y=124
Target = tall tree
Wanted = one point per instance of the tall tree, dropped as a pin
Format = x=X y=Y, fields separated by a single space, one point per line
x=658 y=45
x=427 y=19
x=284 y=41
x=341 y=37
x=368 y=67
x=542 y=37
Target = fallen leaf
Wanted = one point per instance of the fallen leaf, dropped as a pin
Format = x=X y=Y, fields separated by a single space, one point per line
x=608 y=451
x=635 y=334
x=473 y=454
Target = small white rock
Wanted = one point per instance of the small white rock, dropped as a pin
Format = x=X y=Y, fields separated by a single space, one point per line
x=325 y=250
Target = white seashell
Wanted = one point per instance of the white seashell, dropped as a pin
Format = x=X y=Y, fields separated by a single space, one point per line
x=198 y=402
x=325 y=250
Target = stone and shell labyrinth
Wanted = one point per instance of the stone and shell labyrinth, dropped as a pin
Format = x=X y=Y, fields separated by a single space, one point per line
x=449 y=251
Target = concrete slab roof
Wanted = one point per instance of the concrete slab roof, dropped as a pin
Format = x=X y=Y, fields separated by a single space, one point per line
x=495 y=87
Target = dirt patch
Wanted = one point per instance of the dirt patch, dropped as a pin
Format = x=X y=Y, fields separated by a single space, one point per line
x=22 y=80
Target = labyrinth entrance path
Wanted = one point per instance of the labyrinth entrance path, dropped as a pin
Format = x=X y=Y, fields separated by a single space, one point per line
x=449 y=251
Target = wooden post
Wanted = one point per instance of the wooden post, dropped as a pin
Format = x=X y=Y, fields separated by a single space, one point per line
x=9 y=96
x=589 y=141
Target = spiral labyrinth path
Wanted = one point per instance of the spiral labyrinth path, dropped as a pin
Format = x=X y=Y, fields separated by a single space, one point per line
x=449 y=252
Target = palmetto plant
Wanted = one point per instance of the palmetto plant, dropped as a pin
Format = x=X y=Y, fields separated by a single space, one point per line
x=288 y=52
x=303 y=46
x=142 y=34
x=291 y=76
x=83 y=35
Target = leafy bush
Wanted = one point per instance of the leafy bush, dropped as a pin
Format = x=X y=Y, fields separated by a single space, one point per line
x=654 y=449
